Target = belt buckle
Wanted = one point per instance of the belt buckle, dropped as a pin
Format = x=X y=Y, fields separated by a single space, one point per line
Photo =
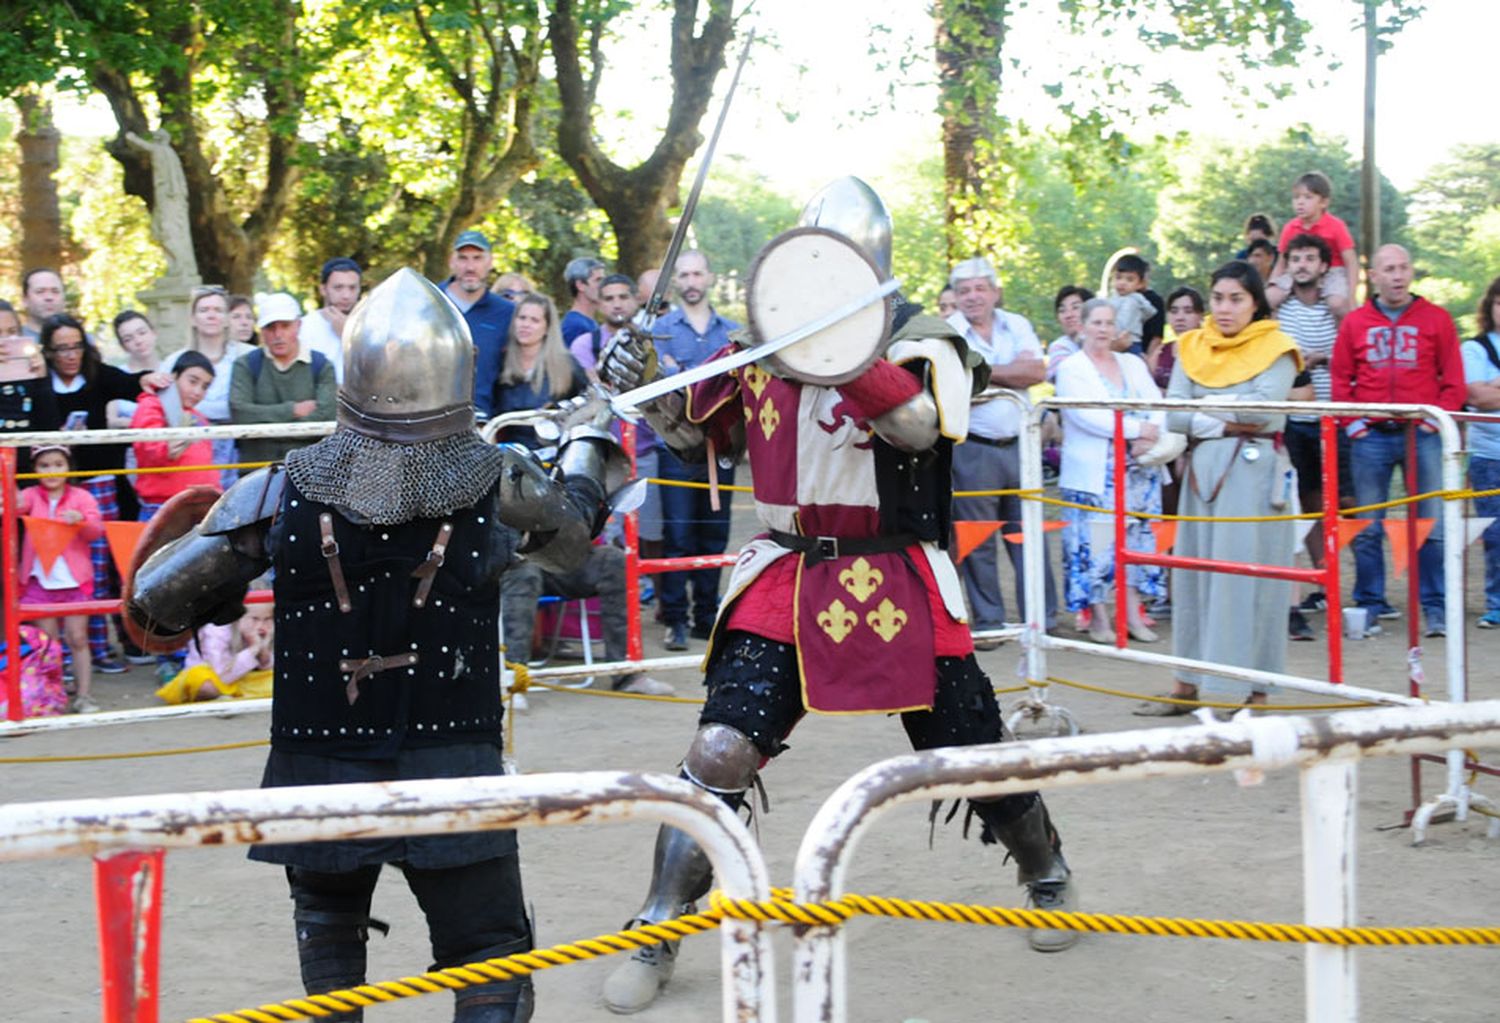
x=827 y=548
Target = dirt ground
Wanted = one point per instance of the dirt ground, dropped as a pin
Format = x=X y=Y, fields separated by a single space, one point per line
x=1200 y=847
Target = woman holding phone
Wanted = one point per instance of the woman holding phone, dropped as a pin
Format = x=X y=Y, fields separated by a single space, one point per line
x=83 y=387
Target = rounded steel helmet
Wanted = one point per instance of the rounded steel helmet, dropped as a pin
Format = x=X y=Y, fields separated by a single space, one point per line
x=853 y=209
x=408 y=363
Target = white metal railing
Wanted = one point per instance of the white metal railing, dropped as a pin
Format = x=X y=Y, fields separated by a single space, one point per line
x=1037 y=642
x=1325 y=749
x=98 y=827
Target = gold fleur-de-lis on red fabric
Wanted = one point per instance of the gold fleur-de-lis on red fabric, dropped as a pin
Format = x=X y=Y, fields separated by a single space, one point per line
x=861 y=580
x=769 y=418
x=755 y=378
x=837 y=621
x=887 y=620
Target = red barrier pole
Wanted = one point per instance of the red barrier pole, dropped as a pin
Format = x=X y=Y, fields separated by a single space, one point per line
x=127 y=894
x=11 y=597
x=1122 y=575
x=634 y=647
x=1413 y=576
x=1329 y=427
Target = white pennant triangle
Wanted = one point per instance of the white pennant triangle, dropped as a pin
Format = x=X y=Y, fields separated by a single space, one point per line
x=1475 y=526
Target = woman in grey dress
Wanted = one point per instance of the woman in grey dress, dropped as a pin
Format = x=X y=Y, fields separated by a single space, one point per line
x=1239 y=355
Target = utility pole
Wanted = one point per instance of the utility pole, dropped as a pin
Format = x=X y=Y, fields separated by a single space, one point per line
x=1369 y=181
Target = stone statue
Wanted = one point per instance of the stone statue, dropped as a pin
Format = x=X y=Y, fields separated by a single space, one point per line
x=169 y=213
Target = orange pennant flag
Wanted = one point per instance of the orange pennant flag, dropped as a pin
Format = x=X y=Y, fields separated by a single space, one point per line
x=49 y=538
x=1047 y=527
x=123 y=538
x=1349 y=529
x=970 y=535
x=1395 y=530
x=1166 y=535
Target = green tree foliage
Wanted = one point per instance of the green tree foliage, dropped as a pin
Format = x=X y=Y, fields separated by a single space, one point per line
x=168 y=64
x=1220 y=185
x=737 y=216
x=1052 y=219
x=1456 y=215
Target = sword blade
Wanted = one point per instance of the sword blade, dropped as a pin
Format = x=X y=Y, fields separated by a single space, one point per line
x=626 y=404
x=679 y=234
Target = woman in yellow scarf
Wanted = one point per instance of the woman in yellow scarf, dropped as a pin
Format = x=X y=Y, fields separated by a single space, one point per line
x=1233 y=469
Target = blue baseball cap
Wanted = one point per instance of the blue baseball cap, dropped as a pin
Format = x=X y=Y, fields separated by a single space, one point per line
x=474 y=239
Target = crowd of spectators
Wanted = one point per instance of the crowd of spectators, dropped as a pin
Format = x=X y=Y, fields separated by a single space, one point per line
x=1281 y=320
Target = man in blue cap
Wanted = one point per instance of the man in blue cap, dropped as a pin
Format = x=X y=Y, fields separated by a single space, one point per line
x=488 y=315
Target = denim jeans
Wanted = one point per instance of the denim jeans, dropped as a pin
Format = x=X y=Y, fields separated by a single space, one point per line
x=1484 y=474
x=691 y=526
x=1373 y=458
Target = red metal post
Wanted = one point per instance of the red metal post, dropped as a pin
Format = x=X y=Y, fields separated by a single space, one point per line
x=1296 y=575
x=127 y=894
x=1413 y=576
x=10 y=558
x=634 y=646
x=1413 y=595
x=1122 y=575
x=1329 y=426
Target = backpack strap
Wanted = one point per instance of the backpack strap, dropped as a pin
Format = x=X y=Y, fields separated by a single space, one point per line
x=255 y=360
x=1489 y=349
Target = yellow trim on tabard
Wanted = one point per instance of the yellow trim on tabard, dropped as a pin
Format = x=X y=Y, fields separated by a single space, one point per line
x=802 y=672
x=687 y=405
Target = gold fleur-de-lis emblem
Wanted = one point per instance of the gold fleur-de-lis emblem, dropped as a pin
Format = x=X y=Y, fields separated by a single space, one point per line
x=861 y=580
x=749 y=415
x=756 y=379
x=769 y=418
x=837 y=621
x=887 y=620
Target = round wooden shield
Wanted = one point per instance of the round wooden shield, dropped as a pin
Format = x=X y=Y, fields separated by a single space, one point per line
x=803 y=275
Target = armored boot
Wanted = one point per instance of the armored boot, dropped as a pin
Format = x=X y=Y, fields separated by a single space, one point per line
x=680 y=875
x=331 y=950
x=1034 y=844
x=504 y=1001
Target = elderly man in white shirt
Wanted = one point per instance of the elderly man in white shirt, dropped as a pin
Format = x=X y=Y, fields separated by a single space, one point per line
x=989 y=459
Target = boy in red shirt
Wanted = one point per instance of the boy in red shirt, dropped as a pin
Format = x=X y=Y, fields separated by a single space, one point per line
x=1311 y=195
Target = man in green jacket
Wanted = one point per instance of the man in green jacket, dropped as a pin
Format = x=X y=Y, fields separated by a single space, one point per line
x=281 y=382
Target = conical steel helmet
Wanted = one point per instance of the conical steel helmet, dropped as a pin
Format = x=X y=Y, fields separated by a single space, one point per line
x=408 y=363
x=853 y=209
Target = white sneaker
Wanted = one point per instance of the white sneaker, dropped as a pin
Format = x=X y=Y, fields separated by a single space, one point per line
x=645 y=685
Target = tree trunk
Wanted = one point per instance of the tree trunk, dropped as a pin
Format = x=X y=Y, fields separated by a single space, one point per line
x=970 y=34
x=497 y=95
x=41 y=216
x=229 y=249
x=636 y=198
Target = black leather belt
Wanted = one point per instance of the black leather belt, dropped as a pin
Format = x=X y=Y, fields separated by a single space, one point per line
x=1388 y=425
x=993 y=442
x=827 y=548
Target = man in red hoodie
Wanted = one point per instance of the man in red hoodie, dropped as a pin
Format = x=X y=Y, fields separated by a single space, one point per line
x=1397 y=347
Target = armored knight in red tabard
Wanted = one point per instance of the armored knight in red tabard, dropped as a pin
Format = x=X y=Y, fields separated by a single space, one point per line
x=849 y=602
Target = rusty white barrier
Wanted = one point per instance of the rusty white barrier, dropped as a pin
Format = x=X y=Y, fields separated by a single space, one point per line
x=1457 y=795
x=102 y=827
x=1326 y=749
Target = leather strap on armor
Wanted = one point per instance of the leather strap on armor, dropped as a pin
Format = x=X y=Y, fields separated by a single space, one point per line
x=827 y=548
x=359 y=669
x=335 y=570
x=428 y=569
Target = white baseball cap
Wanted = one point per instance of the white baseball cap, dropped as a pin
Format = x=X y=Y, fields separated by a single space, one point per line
x=276 y=308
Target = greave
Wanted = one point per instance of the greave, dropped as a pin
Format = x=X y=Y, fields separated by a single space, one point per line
x=1030 y=839
x=505 y=1001
x=680 y=871
x=331 y=951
